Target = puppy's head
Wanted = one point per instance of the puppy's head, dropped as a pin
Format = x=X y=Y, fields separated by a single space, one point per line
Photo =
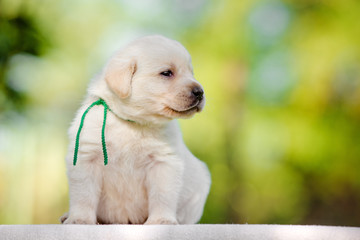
x=153 y=77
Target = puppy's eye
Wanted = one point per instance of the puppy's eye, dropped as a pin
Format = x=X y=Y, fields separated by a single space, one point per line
x=167 y=73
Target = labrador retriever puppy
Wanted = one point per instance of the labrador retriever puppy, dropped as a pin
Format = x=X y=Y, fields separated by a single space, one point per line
x=151 y=176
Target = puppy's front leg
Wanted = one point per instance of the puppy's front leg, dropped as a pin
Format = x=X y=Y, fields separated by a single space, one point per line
x=164 y=182
x=85 y=181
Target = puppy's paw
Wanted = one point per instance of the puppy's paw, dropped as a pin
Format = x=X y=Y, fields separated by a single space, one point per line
x=64 y=217
x=70 y=220
x=163 y=221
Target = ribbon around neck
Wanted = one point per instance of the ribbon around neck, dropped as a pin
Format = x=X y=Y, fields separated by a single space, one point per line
x=106 y=108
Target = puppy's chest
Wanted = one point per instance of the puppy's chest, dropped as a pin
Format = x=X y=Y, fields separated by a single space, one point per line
x=131 y=147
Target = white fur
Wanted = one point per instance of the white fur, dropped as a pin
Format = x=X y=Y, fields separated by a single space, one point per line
x=151 y=176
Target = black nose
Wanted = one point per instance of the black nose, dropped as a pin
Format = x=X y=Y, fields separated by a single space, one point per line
x=198 y=93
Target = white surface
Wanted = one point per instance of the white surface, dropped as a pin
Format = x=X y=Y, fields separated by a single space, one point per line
x=124 y=232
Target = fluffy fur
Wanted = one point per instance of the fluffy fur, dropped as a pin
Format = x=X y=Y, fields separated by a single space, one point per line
x=151 y=176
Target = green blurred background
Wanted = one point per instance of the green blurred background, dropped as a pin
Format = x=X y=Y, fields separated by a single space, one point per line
x=281 y=129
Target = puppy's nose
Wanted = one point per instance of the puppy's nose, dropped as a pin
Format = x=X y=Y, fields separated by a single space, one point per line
x=198 y=93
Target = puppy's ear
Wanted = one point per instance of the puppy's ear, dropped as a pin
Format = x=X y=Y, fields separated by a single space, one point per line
x=119 y=76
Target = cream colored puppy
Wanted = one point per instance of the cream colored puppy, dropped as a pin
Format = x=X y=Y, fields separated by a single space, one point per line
x=151 y=176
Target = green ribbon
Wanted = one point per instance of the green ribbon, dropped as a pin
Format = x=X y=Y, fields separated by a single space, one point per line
x=106 y=108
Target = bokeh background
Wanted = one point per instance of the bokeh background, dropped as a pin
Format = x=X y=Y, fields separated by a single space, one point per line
x=281 y=129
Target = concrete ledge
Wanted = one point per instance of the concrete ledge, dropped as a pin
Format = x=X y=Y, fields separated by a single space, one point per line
x=198 y=232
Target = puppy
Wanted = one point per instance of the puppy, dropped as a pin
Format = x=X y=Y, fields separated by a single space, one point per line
x=151 y=177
